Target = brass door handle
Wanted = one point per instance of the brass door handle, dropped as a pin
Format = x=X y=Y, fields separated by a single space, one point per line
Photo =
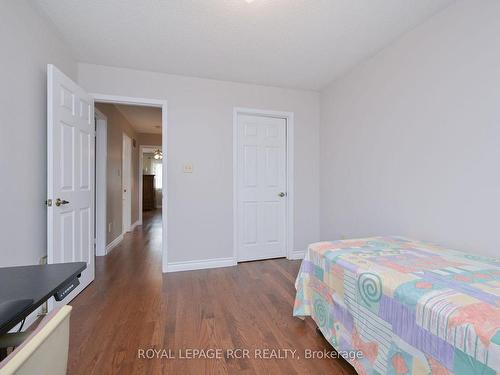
x=60 y=202
x=282 y=194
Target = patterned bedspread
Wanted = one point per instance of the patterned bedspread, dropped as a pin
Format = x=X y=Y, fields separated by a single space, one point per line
x=410 y=307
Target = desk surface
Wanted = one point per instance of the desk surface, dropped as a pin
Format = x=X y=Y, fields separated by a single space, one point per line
x=37 y=283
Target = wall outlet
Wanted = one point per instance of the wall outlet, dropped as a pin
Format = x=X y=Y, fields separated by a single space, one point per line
x=188 y=168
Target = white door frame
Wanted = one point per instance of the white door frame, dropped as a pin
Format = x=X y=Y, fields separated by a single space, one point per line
x=101 y=182
x=126 y=194
x=159 y=103
x=289 y=227
x=141 y=160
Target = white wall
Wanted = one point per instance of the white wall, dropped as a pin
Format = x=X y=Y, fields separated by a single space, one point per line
x=410 y=140
x=28 y=43
x=200 y=121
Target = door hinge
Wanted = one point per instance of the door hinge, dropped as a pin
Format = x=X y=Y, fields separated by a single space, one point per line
x=48 y=202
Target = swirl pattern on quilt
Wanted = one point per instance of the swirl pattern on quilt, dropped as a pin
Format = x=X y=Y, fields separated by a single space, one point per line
x=370 y=288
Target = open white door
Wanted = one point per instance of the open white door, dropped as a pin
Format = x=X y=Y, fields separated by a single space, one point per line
x=70 y=176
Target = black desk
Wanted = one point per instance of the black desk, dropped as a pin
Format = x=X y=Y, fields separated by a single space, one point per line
x=36 y=284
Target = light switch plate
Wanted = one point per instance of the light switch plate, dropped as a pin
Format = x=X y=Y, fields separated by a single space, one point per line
x=188 y=168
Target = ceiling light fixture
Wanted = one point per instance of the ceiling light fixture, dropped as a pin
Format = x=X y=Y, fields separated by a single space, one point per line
x=158 y=155
x=249 y=1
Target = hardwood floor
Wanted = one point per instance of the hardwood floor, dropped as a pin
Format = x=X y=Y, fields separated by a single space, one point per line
x=131 y=305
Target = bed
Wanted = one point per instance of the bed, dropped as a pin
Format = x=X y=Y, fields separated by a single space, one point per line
x=409 y=307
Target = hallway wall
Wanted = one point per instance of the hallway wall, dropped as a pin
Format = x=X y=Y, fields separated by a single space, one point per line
x=117 y=125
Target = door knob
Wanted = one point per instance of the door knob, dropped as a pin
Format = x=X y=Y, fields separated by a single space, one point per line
x=282 y=194
x=60 y=202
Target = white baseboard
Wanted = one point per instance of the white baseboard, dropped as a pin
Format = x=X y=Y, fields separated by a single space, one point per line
x=200 y=264
x=114 y=243
x=100 y=250
x=297 y=254
x=132 y=227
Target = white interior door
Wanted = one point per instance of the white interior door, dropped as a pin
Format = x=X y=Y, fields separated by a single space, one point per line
x=70 y=168
x=126 y=183
x=261 y=195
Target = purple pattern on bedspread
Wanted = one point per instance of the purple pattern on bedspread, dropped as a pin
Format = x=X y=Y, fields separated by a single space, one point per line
x=404 y=325
x=347 y=266
x=462 y=287
x=307 y=267
x=343 y=315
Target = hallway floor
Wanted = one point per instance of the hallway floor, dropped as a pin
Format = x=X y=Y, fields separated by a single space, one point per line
x=131 y=305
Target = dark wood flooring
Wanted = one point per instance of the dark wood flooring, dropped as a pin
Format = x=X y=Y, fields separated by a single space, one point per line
x=131 y=305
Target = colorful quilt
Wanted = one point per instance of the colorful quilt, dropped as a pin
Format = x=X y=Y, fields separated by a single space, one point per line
x=410 y=307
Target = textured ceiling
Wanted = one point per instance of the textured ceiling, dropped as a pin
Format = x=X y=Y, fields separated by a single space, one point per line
x=286 y=43
x=143 y=119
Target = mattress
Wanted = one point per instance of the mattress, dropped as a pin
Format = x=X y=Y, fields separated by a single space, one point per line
x=407 y=306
